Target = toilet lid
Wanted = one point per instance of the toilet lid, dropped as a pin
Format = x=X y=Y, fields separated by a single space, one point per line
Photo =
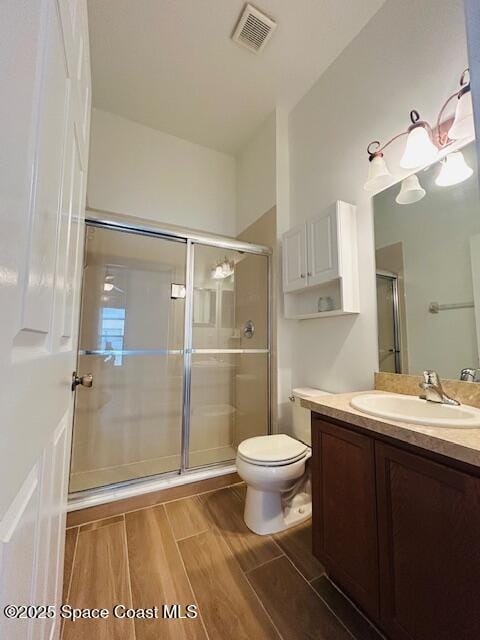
x=272 y=449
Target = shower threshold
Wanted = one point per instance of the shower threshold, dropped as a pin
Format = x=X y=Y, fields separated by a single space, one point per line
x=81 y=481
x=141 y=486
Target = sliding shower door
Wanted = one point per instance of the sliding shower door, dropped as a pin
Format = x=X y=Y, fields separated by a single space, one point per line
x=228 y=398
x=175 y=333
x=128 y=425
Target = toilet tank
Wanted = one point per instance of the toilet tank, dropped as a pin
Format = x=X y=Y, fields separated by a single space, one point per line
x=301 y=417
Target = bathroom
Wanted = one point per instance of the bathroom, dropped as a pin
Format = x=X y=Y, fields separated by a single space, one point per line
x=240 y=346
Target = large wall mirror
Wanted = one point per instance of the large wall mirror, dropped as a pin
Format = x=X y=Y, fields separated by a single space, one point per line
x=428 y=273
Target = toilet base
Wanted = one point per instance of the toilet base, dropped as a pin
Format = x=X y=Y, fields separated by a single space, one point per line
x=265 y=512
x=298 y=510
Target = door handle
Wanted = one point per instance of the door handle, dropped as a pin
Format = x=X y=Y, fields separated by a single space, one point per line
x=85 y=380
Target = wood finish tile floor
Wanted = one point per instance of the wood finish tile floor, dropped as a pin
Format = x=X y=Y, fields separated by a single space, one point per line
x=198 y=550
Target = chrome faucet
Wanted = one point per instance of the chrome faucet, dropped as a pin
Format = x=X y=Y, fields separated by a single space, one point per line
x=433 y=389
x=469 y=374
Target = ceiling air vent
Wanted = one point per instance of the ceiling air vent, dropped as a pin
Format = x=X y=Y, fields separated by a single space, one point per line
x=254 y=29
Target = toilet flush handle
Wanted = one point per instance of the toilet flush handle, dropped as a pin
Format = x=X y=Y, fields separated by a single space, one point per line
x=291 y=398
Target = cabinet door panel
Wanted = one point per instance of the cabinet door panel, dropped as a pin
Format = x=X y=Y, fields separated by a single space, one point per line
x=323 y=247
x=429 y=532
x=295 y=258
x=344 y=510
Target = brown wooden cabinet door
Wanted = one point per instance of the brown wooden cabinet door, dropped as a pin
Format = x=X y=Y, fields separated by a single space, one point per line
x=429 y=548
x=344 y=510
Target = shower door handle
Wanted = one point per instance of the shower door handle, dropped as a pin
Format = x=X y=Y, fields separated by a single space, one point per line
x=248 y=329
x=85 y=380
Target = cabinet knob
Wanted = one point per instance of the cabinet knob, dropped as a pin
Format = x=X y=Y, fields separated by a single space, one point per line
x=302 y=275
x=309 y=274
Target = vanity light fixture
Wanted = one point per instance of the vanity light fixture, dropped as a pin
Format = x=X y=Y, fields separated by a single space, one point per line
x=419 y=149
x=424 y=143
x=378 y=174
x=217 y=273
x=454 y=170
x=223 y=269
x=410 y=191
x=109 y=284
x=462 y=126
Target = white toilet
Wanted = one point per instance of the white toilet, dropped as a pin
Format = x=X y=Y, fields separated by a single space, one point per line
x=274 y=469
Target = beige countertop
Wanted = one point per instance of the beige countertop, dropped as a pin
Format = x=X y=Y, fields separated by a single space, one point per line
x=459 y=444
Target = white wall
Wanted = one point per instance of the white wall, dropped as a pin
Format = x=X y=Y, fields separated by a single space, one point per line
x=256 y=176
x=144 y=172
x=285 y=327
x=410 y=55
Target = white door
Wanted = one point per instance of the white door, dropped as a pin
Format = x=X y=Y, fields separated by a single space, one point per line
x=44 y=123
x=294 y=248
x=322 y=247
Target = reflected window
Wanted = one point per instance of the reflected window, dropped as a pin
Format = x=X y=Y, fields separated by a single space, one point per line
x=112 y=332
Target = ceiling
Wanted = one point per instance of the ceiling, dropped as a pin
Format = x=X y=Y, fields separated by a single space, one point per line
x=171 y=65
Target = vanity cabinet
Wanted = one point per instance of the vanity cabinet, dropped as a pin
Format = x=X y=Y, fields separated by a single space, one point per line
x=320 y=259
x=344 y=511
x=398 y=532
x=429 y=547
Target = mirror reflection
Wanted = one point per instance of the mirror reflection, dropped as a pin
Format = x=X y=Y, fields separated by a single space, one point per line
x=427 y=249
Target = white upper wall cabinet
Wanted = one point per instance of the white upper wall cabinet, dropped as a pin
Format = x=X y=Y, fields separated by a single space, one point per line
x=320 y=261
x=322 y=250
x=295 y=258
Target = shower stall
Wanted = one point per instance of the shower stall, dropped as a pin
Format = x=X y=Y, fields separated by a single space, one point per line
x=175 y=330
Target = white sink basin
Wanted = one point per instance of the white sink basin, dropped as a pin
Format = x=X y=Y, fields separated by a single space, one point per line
x=416 y=411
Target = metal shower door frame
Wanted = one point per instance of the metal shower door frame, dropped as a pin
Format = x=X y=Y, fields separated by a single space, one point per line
x=397 y=347
x=189 y=350
x=129 y=224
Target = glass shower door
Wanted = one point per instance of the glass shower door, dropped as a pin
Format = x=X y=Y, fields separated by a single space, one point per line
x=129 y=424
x=229 y=393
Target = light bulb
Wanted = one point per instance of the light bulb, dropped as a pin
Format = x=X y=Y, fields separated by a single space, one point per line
x=454 y=170
x=419 y=149
x=108 y=286
x=217 y=272
x=463 y=126
x=227 y=269
x=378 y=174
x=411 y=191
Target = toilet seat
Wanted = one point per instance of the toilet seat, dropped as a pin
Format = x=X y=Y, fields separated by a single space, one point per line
x=272 y=451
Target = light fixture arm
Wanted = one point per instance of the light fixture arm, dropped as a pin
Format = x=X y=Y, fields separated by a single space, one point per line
x=375 y=148
x=464 y=87
x=378 y=151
